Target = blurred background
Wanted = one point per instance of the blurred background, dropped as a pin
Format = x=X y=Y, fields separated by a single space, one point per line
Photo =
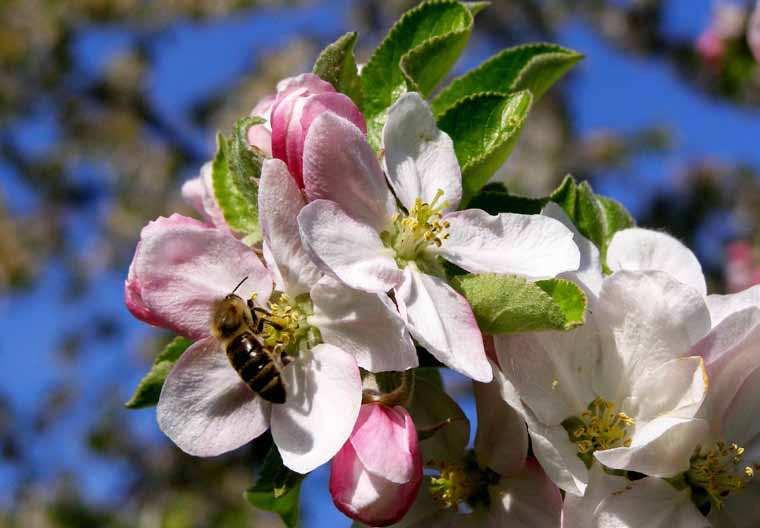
x=107 y=106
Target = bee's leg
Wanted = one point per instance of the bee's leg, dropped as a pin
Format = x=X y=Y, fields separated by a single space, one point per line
x=258 y=309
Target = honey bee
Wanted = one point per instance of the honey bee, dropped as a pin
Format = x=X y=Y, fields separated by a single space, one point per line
x=238 y=325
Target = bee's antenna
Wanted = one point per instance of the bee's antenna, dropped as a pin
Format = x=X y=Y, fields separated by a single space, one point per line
x=240 y=284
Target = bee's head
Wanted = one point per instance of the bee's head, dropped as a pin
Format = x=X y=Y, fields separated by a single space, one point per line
x=229 y=315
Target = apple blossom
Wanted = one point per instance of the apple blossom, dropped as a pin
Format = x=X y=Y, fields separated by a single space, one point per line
x=623 y=389
x=260 y=136
x=299 y=101
x=182 y=266
x=354 y=230
x=498 y=483
x=376 y=475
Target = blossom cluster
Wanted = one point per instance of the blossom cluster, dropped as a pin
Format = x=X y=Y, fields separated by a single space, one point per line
x=611 y=389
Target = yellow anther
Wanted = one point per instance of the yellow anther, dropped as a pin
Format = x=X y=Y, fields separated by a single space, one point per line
x=717 y=471
x=599 y=427
x=453 y=486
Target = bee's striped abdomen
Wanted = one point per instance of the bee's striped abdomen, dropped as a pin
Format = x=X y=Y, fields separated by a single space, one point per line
x=256 y=367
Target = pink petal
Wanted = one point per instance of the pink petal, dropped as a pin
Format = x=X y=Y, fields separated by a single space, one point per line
x=181 y=267
x=205 y=408
x=260 y=136
x=339 y=165
x=385 y=442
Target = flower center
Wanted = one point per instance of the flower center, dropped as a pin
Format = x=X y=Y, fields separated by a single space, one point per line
x=719 y=471
x=285 y=322
x=412 y=233
x=454 y=485
x=598 y=428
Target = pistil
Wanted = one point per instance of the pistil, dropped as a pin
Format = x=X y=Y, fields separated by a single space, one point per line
x=422 y=227
x=598 y=428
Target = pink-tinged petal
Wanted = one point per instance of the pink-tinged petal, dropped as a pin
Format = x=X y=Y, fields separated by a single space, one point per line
x=324 y=395
x=133 y=297
x=501 y=443
x=199 y=193
x=730 y=354
x=533 y=246
x=280 y=201
x=419 y=158
x=721 y=306
x=366 y=325
x=589 y=274
x=739 y=421
x=339 y=165
x=205 y=408
x=348 y=249
x=637 y=249
x=305 y=112
x=260 y=136
x=616 y=502
x=527 y=499
x=645 y=319
x=366 y=497
x=300 y=100
x=183 y=266
x=443 y=322
x=385 y=442
x=661 y=448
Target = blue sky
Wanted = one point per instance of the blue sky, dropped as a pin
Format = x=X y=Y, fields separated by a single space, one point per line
x=609 y=90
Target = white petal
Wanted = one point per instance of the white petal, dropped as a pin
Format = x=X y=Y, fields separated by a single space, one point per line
x=205 y=408
x=675 y=389
x=645 y=319
x=347 y=248
x=419 y=158
x=533 y=246
x=661 y=448
x=589 y=273
x=721 y=306
x=740 y=423
x=551 y=371
x=339 y=165
x=559 y=457
x=324 y=396
x=616 y=502
x=526 y=500
x=366 y=325
x=740 y=509
x=443 y=322
x=637 y=249
x=501 y=443
x=279 y=204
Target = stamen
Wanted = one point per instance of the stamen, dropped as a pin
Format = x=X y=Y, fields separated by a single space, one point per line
x=718 y=471
x=453 y=486
x=598 y=428
x=422 y=227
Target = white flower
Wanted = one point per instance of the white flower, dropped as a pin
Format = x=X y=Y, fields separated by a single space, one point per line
x=622 y=389
x=356 y=232
x=182 y=267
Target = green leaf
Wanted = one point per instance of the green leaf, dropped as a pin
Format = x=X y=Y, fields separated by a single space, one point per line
x=443 y=428
x=533 y=67
x=485 y=128
x=507 y=303
x=337 y=65
x=277 y=489
x=149 y=389
x=597 y=218
x=235 y=173
x=416 y=55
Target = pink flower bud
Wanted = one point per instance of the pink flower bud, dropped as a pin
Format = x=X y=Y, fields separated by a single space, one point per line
x=710 y=47
x=377 y=473
x=299 y=101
